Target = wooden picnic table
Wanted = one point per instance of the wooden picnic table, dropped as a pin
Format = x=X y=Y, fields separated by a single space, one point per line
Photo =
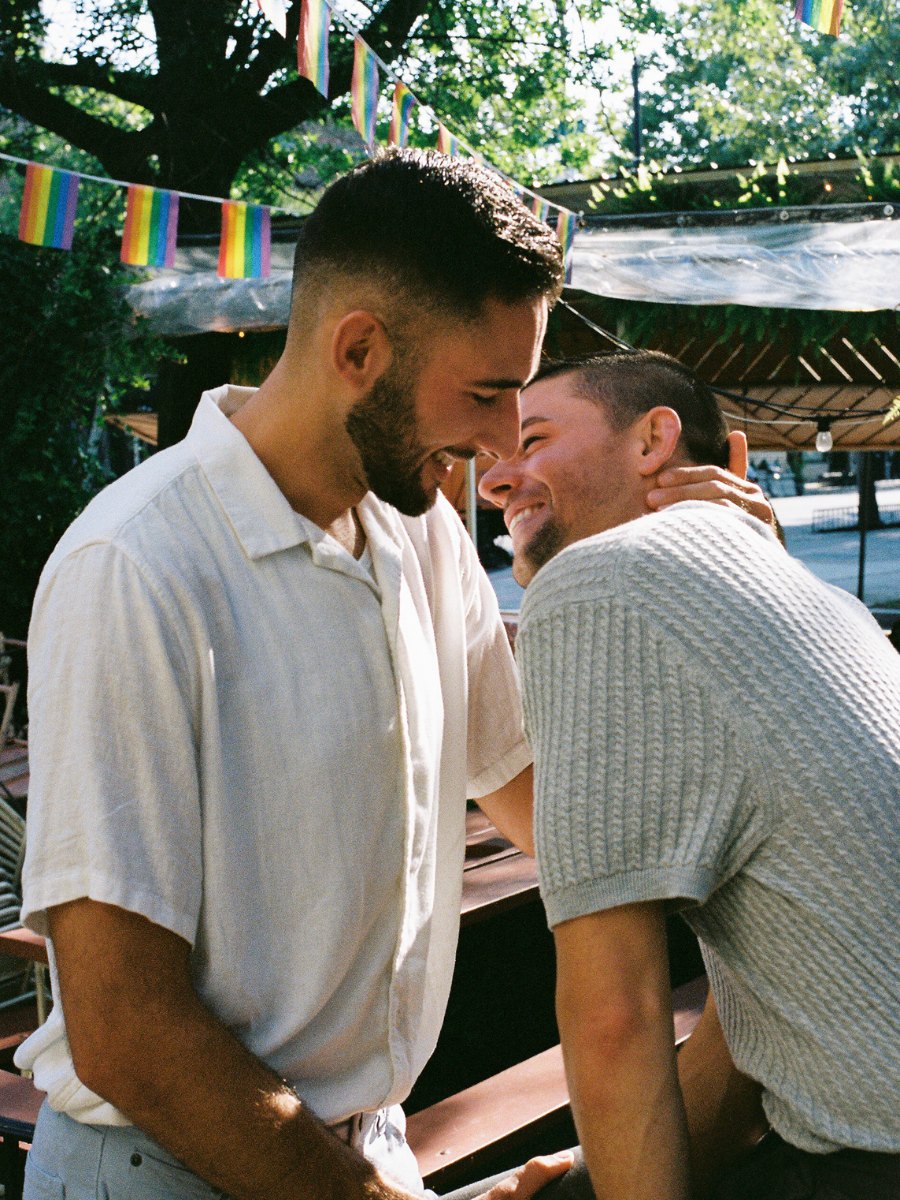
x=496 y=876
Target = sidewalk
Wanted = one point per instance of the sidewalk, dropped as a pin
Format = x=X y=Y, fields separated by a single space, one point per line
x=834 y=557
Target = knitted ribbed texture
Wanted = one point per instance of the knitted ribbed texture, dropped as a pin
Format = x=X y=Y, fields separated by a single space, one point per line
x=712 y=722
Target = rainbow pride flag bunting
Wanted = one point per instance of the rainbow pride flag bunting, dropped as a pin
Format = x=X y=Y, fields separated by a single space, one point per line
x=151 y=223
x=823 y=15
x=276 y=11
x=47 y=216
x=540 y=207
x=565 y=231
x=403 y=105
x=245 y=245
x=312 y=44
x=447 y=142
x=364 y=91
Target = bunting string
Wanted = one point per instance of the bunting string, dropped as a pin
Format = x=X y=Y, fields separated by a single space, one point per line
x=49 y=203
x=454 y=140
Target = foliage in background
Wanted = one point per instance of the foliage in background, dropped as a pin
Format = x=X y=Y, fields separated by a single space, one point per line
x=650 y=188
x=203 y=95
x=735 y=81
x=72 y=353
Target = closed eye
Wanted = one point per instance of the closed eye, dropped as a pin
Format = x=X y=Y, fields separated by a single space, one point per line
x=529 y=441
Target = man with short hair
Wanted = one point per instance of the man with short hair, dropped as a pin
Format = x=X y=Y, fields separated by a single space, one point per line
x=718 y=731
x=266 y=669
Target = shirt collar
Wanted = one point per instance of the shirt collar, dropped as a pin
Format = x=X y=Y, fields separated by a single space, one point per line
x=258 y=510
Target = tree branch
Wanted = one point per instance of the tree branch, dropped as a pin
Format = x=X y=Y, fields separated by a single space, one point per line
x=122 y=152
x=129 y=86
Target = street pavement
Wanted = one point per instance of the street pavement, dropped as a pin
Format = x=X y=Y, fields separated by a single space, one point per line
x=833 y=556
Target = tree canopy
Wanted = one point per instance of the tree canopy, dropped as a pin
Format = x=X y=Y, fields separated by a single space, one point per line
x=737 y=81
x=191 y=94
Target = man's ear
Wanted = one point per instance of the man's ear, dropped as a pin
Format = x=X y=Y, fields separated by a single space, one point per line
x=360 y=350
x=658 y=431
x=738 y=458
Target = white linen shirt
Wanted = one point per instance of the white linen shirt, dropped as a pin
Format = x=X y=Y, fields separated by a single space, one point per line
x=241 y=734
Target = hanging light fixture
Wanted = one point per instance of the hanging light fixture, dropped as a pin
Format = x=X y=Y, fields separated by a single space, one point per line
x=824 y=440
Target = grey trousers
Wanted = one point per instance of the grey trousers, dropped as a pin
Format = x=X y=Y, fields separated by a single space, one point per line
x=71 y=1161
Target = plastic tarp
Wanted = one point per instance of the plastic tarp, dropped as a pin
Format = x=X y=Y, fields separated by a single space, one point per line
x=200 y=302
x=849 y=267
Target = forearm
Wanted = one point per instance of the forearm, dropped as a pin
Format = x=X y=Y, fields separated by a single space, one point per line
x=628 y=1113
x=723 y=1107
x=141 y=1038
x=614 y=1009
x=221 y=1112
x=511 y=809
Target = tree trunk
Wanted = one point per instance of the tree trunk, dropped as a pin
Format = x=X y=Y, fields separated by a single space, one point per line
x=179 y=384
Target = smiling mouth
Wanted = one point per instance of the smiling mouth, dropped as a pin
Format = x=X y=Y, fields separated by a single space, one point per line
x=521 y=515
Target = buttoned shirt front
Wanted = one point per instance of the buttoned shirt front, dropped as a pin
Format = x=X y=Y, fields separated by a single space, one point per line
x=240 y=733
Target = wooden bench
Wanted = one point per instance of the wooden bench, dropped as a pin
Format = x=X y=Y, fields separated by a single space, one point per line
x=496 y=1123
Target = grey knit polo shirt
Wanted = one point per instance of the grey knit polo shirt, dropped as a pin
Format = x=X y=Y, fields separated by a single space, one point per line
x=714 y=726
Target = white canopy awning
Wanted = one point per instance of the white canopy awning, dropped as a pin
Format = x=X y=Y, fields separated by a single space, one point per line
x=848 y=267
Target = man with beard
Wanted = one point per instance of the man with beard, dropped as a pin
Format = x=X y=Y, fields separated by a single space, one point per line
x=676 y=767
x=266 y=671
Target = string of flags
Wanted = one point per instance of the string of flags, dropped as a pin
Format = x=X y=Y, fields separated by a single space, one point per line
x=50 y=196
x=312 y=53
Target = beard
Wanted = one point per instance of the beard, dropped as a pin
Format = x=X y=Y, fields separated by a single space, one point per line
x=382 y=426
x=546 y=543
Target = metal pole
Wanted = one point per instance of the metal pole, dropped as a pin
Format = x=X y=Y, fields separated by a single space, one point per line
x=864 y=476
x=636 y=122
x=471 y=501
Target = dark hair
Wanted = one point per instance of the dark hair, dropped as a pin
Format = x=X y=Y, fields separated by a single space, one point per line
x=446 y=234
x=629 y=383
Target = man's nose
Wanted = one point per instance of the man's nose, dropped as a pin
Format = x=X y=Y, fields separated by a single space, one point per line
x=499 y=432
x=496 y=482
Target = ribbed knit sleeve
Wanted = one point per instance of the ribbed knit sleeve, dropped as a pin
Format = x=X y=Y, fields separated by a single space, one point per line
x=642 y=776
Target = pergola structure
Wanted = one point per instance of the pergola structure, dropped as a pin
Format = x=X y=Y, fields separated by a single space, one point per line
x=777 y=390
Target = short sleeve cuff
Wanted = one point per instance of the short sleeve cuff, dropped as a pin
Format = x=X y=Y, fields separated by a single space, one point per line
x=513 y=763
x=630 y=887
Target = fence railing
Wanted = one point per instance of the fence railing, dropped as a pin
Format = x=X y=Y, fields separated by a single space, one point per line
x=826 y=520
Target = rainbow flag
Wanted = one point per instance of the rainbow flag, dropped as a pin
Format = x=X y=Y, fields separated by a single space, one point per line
x=245 y=245
x=823 y=15
x=403 y=105
x=565 y=231
x=540 y=207
x=276 y=12
x=151 y=222
x=312 y=44
x=364 y=91
x=447 y=142
x=47 y=216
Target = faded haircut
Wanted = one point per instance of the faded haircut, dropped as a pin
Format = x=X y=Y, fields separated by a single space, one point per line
x=431 y=235
x=627 y=384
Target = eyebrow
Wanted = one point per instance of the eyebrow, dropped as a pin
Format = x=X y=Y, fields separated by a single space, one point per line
x=499 y=385
x=532 y=421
